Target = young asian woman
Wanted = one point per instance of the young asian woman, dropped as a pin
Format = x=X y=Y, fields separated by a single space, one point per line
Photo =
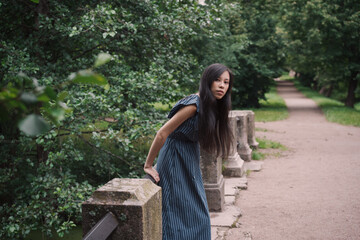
x=200 y=119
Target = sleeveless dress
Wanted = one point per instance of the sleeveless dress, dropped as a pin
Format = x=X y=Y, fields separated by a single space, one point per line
x=185 y=213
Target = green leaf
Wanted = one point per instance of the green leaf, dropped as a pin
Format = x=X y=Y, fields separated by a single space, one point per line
x=50 y=92
x=57 y=113
x=12 y=229
x=28 y=98
x=33 y=125
x=101 y=59
x=89 y=77
x=9 y=93
x=43 y=98
x=35 y=1
x=107 y=87
x=62 y=95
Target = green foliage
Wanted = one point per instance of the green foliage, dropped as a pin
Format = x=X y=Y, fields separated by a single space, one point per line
x=335 y=111
x=285 y=76
x=99 y=124
x=357 y=106
x=163 y=107
x=247 y=42
x=24 y=100
x=33 y=125
x=255 y=155
x=52 y=197
x=21 y=102
x=265 y=144
x=271 y=109
x=260 y=61
x=263 y=149
x=74 y=233
x=323 y=44
x=38 y=195
x=342 y=115
x=83 y=123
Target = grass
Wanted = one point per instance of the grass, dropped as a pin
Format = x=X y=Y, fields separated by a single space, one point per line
x=357 y=106
x=272 y=109
x=267 y=144
x=334 y=111
x=285 y=77
x=74 y=233
x=266 y=149
x=162 y=107
x=255 y=155
x=261 y=130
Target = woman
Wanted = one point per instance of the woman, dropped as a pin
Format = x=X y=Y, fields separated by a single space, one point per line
x=198 y=118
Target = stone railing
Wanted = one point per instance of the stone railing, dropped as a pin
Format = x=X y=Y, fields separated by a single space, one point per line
x=135 y=205
x=131 y=208
x=234 y=164
x=251 y=128
x=243 y=127
x=211 y=169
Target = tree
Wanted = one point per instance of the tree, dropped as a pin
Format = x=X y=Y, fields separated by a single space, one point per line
x=324 y=42
x=248 y=43
x=107 y=129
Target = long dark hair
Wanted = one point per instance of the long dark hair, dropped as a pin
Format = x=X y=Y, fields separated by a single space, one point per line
x=215 y=134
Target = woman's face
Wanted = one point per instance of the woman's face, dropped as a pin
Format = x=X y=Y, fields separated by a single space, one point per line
x=220 y=86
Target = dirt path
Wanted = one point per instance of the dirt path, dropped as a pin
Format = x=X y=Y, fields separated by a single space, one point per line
x=313 y=192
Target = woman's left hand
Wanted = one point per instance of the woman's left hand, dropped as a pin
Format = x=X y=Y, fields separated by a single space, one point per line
x=152 y=172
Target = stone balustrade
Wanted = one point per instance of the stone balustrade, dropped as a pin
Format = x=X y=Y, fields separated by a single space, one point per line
x=211 y=169
x=233 y=165
x=136 y=204
x=243 y=126
x=251 y=129
x=242 y=133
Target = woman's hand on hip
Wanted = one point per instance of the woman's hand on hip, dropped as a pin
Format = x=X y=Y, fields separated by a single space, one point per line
x=152 y=172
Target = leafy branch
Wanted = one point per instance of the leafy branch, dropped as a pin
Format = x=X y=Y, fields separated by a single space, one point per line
x=103 y=150
x=30 y=99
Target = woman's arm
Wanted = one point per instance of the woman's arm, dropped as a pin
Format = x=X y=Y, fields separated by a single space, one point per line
x=161 y=136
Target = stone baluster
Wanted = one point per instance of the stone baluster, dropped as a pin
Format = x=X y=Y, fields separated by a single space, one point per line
x=136 y=203
x=211 y=169
x=251 y=129
x=243 y=147
x=233 y=165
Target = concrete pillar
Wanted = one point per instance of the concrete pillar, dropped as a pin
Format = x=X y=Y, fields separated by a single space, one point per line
x=233 y=165
x=211 y=169
x=136 y=203
x=243 y=147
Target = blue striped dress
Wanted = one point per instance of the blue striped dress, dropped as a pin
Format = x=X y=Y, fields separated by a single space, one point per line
x=185 y=213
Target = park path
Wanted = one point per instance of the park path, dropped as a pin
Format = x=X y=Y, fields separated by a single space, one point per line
x=313 y=190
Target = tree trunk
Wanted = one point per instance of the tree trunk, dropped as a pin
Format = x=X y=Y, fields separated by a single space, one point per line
x=350 y=98
x=330 y=90
x=42 y=9
x=327 y=90
x=42 y=155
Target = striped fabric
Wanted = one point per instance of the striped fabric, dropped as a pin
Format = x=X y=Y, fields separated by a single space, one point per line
x=185 y=211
